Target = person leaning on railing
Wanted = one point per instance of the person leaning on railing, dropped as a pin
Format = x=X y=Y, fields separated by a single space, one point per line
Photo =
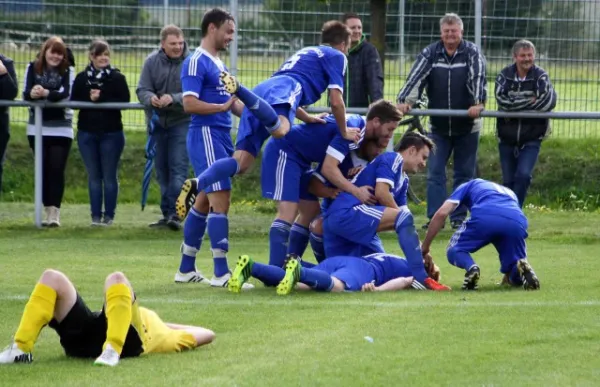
x=49 y=78
x=100 y=134
x=8 y=91
x=522 y=86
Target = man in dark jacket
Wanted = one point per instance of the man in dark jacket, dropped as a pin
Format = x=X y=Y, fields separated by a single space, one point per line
x=8 y=91
x=452 y=72
x=522 y=86
x=364 y=77
x=159 y=89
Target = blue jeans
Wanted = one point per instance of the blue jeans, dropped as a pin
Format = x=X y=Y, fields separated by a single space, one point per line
x=517 y=165
x=101 y=153
x=465 y=162
x=171 y=163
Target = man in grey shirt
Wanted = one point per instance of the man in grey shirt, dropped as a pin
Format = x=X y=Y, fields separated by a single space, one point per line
x=159 y=89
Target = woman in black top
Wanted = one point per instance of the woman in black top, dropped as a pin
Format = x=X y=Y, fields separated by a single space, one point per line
x=100 y=131
x=49 y=78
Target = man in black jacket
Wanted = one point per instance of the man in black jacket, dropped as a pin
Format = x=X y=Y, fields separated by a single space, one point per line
x=8 y=91
x=452 y=72
x=522 y=86
x=364 y=76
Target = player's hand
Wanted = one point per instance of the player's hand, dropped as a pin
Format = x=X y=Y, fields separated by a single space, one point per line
x=352 y=134
x=166 y=100
x=316 y=119
x=369 y=287
x=155 y=101
x=94 y=94
x=227 y=105
x=365 y=194
x=475 y=110
x=354 y=171
x=3 y=69
x=404 y=108
x=334 y=192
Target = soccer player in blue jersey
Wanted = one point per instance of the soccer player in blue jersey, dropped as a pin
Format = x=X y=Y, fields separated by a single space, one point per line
x=209 y=139
x=273 y=104
x=350 y=226
x=496 y=218
x=375 y=272
x=286 y=159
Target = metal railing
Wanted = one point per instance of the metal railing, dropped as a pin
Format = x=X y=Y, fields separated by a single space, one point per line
x=38 y=106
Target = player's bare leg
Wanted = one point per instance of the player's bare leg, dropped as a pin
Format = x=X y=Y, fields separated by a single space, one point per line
x=283 y=129
x=203 y=336
x=53 y=297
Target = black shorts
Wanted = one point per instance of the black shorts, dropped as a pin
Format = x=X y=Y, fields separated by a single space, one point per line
x=83 y=333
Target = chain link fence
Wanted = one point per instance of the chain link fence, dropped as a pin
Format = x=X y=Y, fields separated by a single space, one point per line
x=566 y=33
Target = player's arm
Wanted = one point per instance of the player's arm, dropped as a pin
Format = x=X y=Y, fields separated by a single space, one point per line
x=192 y=105
x=202 y=335
x=237 y=107
x=437 y=222
x=334 y=175
x=303 y=116
x=384 y=195
x=320 y=189
x=338 y=109
x=399 y=283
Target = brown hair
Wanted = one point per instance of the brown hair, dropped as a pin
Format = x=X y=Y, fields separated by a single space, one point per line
x=170 y=29
x=56 y=45
x=98 y=47
x=415 y=139
x=349 y=15
x=335 y=32
x=384 y=110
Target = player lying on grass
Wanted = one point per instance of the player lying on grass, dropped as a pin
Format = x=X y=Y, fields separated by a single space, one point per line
x=350 y=227
x=375 y=272
x=121 y=329
x=496 y=218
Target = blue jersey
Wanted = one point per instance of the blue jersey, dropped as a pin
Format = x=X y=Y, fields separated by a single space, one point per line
x=317 y=69
x=386 y=168
x=388 y=267
x=479 y=194
x=200 y=78
x=311 y=142
x=401 y=191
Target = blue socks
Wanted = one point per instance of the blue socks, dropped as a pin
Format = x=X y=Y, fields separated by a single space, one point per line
x=279 y=236
x=193 y=231
x=316 y=242
x=515 y=277
x=409 y=243
x=316 y=279
x=298 y=240
x=219 y=170
x=218 y=232
x=460 y=259
x=269 y=275
x=259 y=108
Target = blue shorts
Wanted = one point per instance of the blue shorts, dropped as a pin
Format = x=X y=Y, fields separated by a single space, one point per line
x=304 y=186
x=283 y=94
x=351 y=231
x=205 y=146
x=354 y=272
x=281 y=174
x=506 y=234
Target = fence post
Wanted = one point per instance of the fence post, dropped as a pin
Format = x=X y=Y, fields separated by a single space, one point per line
x=233 y=50
x=38 y=165
x=165 y=12
x=478 y=18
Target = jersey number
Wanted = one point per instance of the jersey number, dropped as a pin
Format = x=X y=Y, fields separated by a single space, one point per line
x=291 y=62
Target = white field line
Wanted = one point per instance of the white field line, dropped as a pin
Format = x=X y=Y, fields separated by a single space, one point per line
x=292 y=301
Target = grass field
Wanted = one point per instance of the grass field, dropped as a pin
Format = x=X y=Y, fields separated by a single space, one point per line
x=491 y=337
x=576 y=84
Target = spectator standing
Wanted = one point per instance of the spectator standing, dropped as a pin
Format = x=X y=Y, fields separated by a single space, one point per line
x=522 y=86
x=49 y=78
x=364 y=78
x=8 y=91
x=100 y=131
x=452 y=72
x=159 y=90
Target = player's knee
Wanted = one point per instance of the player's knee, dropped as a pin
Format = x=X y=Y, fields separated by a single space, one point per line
x=316 y=226
x=116 y=278
x=244 y=160
x=53 y=278
x=452 y=253
x=404 y=218
x=283 y=128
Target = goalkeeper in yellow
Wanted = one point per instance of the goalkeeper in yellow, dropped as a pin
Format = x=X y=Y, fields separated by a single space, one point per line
x=121 y=329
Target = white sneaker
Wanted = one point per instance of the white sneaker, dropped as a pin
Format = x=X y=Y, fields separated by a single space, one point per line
x=222 y=281
x=53 y=216
x=108 y=357
x=45 y=221
x=13 y=354
x=192 y=276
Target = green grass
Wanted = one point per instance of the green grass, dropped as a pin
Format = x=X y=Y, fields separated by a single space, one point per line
x=490 y=337
x=575 y=84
